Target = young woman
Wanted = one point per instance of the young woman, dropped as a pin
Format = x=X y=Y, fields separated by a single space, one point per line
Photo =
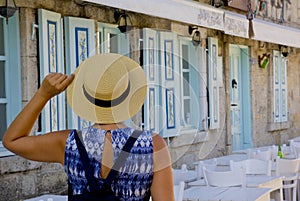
x=105 y=89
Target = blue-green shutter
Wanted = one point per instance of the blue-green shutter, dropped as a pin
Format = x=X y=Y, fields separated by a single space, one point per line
x=213 y=83
x=51 y=60
x=79 y=44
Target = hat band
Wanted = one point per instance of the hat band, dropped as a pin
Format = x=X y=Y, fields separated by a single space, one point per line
x=107 y=103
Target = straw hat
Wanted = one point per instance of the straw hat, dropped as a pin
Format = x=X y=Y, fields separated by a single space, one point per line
x=108 y=88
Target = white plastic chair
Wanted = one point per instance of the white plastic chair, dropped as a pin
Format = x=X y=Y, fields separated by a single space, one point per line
x=179 y=175
x=264 y=155
x=229 y=178
x=289 y=169
x=295 y=148
x=254 y=166
x=199 y=168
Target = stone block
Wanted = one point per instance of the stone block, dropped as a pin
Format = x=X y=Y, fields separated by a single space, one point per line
x=28 y=184
x=14 y=164
x=10 y=187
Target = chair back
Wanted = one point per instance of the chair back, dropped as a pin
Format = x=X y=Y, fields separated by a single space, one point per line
x=201 y=164
x=229 y=178
x=253 y=166
x=287 y=167
x=179 y=175
x=289 y=170
x=295 y=148
x=264 y=155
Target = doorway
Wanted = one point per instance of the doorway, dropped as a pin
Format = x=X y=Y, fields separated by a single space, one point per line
x=240 y=103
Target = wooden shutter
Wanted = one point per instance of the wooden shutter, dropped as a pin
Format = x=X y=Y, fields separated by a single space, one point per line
x=152 y=107
x=213 y=83
x=283 y=86
x=276 y=84
x=51 y=60
x=170 y=83
x=80 y=44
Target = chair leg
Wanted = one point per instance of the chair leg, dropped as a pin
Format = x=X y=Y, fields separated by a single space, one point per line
x=294 y=193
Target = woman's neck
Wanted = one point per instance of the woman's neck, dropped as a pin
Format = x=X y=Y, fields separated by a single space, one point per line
x=112 y=126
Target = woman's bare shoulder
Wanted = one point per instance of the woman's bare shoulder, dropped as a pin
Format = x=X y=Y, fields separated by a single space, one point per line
x=158 y=142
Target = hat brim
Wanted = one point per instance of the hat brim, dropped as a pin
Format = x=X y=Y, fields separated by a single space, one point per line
x=104 y=115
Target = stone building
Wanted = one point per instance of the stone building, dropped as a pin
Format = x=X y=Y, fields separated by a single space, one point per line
x=219 y=81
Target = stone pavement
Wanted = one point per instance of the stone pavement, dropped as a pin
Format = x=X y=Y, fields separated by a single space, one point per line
x=49 y=198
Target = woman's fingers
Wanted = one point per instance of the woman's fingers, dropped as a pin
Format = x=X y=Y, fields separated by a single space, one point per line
x=55 y=83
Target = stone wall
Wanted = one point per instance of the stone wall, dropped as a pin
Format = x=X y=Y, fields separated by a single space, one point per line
x=21 y=178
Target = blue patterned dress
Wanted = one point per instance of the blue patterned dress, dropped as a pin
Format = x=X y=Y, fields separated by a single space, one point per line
x=135 y=179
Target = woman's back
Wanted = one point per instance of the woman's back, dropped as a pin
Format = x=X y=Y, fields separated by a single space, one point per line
x=135 y=177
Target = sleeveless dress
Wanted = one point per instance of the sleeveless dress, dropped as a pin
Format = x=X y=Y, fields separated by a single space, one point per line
x=135 y=178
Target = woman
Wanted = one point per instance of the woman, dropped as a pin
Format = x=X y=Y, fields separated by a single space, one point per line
x=105 y=89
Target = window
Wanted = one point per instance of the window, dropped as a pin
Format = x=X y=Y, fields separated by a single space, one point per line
x=10 y=74
x=111 y=40
x=190 y=84
x=171 y=64
x=280 y=87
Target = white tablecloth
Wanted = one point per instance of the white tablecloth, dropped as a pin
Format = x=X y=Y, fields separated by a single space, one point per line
x=226 y=194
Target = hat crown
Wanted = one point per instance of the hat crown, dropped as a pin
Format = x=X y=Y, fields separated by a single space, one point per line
x=107 y=88
x=107 y=82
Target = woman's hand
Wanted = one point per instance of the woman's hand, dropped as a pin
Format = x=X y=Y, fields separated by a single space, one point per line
x=55 y=83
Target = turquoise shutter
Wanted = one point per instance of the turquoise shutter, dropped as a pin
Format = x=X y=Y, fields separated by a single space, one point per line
x=196 y=114
x=80 y=44
x=14 y=90
x=190 y=84
x=150 y=64
x=213 y=83
x=170 y=84
x=51 y=60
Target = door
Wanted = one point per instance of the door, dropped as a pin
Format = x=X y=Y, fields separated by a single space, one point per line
x=240 y=107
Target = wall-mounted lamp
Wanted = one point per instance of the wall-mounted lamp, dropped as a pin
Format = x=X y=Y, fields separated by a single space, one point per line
x=8 y=9
x=263 y=60
x=284 y=50
x=123 y=20
x=196 y=38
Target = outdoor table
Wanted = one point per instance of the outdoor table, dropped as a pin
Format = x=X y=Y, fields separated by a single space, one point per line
x=256 y=181
x=206 y=193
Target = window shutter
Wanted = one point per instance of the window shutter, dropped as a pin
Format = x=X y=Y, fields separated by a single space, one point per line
x=276 y=78
x=170 y=83
x=51 y=60
x=284 y=62
x=213 y=83
x=152 y=112
x=80 y=44
x=196 y=114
